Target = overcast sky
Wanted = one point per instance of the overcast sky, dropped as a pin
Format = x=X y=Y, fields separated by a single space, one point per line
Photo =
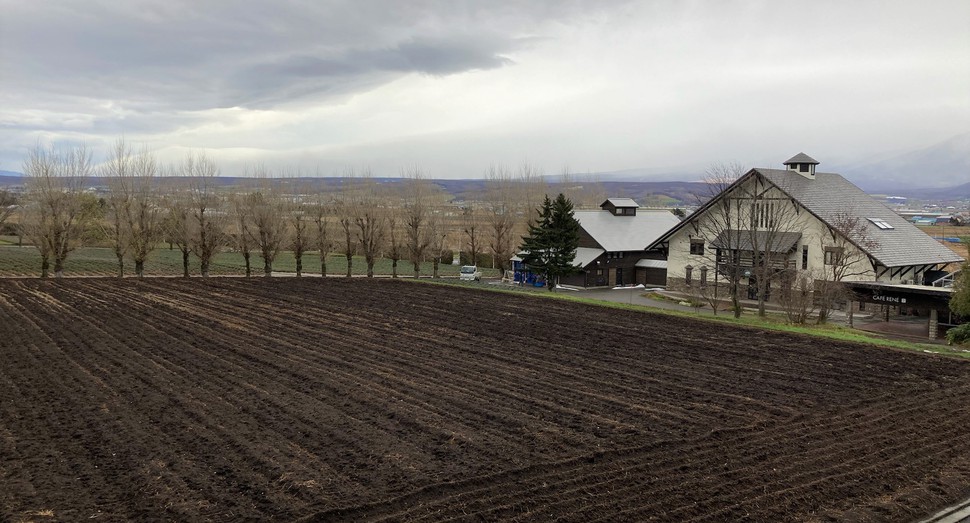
x=452 y=86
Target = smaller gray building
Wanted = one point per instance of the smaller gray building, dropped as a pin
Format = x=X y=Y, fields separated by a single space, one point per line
x=613 y=245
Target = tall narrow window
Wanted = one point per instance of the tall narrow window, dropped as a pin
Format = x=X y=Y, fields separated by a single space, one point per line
x=804 y=257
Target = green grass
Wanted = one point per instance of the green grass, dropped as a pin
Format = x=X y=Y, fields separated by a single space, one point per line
x=827 y=331
x=97 y=261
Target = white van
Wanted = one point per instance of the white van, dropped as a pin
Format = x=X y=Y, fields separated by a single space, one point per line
x=469 y=272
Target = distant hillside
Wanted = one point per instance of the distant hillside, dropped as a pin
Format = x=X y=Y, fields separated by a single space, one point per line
x=936 y=167
x=10 y=178
x=960 y=192
x=646 y=193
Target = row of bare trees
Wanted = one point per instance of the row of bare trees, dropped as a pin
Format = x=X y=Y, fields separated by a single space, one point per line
x=410 y=220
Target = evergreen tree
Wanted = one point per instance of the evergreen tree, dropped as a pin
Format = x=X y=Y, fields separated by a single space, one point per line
x=550 y=247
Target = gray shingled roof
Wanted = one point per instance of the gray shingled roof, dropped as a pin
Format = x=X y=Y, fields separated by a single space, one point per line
x=830 y=194
x=626 y=233
x=802 y=158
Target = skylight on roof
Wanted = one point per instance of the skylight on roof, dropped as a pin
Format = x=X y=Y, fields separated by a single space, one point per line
x=882 y=224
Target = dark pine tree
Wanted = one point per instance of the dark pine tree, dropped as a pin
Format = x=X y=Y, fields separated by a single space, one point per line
x=550 y=247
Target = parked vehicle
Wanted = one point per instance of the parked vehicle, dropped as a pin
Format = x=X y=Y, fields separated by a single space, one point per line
x=469 y=272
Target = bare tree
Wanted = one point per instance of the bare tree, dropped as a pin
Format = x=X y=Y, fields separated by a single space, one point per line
x=585 y=191
x=345 y=220
x=243 y=235
x=58 y=208
x=396 y=248
x=706 y=292
x=320 y=213
x=471 y=229
x=8 y=204
x=772 y=234
x=531 y=191
x=723 y=221
x=178 y=227
x=143 y=218
x=204 y=208
x=436 y=238
x=35 y=225
x=299 y=217
x=371 y=221
x=415 y=217
x=501 y=214
x=753 y=228
x=844 y=250
x=118 y=171
x=268 y=210
x=797 y=296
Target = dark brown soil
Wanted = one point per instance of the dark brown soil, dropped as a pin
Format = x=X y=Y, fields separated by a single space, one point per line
x=333 y=399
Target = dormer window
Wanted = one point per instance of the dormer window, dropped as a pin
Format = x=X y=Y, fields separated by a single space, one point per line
x=620 y=206
x=803 y=167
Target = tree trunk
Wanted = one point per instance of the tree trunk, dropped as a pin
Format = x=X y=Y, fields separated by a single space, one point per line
x=249 y=268
x=417 y=269
x=323 y=267
x=350 y=265
x=45 y=266
x=299 y=265
x=140 y=268
x=58 y=267
x=121 y=265
x=393 y=268
x=185 y=264
x=735 y=302
x=267 y=267
x=205 y=268
x=434 y=267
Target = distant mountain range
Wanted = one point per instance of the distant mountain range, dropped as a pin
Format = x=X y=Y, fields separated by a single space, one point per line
x=934 y=171
x=939 y=172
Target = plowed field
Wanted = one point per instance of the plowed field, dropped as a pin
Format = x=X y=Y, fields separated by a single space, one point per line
x=363 y=400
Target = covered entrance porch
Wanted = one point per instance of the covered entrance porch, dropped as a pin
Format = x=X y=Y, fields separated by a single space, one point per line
x=916 y=301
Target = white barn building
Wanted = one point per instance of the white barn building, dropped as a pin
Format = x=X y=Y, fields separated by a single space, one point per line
x=808 y=221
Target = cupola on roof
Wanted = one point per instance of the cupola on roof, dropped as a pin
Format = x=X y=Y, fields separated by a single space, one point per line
x=802 y=164
x=802 y=158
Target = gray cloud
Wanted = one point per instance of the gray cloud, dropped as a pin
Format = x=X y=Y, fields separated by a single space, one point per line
x=297 y=77
x=603 y=84
x=199 y=55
